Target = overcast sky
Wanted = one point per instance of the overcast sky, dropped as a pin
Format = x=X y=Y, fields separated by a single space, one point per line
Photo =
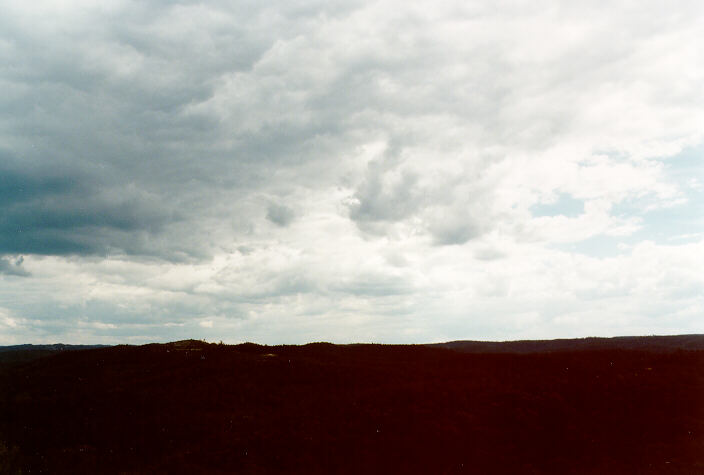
x=350 y=171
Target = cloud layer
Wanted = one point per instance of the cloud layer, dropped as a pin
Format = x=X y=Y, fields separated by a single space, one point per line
x=349 y=171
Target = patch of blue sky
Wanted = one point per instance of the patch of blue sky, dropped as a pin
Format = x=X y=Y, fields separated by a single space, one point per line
x=564 y=205
x=601 y=246
x=678 y=223
x=686 y=165
x=682 y=221
x=675 y=225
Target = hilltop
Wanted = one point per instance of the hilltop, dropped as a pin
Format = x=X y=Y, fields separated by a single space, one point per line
x=666 y=343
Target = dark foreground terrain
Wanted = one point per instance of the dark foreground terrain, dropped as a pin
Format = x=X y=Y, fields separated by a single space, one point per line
x=193 y=407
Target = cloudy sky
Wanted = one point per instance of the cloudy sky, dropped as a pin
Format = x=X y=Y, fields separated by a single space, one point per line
x=372 y=171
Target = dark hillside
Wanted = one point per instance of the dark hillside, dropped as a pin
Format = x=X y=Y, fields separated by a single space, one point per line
x=10 y=355
x=668 y=343
x=191 y=407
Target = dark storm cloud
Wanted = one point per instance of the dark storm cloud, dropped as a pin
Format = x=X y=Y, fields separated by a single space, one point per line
x=16 y=186
x=96 y=154
x=49 y=213
x=106 y=150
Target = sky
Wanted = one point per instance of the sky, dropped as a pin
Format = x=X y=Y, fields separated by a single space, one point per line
x=350 y=171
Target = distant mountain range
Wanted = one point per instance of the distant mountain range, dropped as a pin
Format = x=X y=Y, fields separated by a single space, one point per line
x=51 y=347
x=667 y=343
x=27 y=352
x=659 y=343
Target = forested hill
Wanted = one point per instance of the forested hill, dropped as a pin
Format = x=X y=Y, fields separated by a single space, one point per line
x=655 y=343
x=21 y=353
x=194 y=407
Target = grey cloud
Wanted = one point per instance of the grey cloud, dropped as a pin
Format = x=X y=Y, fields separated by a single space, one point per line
x=9 y=266
x=386 y=194
x=451 y=209
x=280 y=215
x=374 y=285
x=194 y=105
x=115 y=98
x=17 y=187
x=489 y=254
x=454 y=230
x=49 y=213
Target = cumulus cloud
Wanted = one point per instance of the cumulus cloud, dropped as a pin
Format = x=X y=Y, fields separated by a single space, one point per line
x=196 y=167
x=13 y=267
